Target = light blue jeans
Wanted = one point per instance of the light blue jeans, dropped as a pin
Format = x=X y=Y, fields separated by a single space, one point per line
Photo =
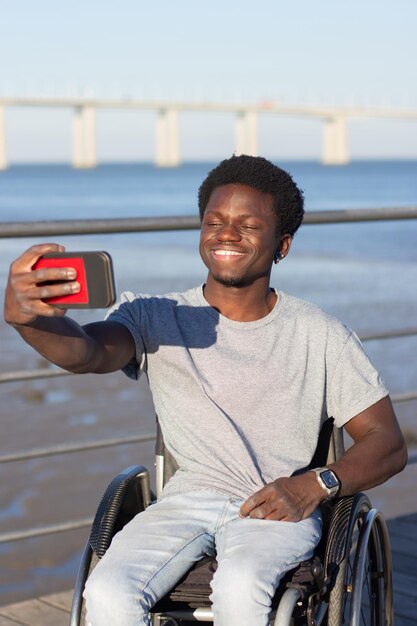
x=159 y=545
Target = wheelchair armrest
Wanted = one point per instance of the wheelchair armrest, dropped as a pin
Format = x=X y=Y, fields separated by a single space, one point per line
x=127 y=494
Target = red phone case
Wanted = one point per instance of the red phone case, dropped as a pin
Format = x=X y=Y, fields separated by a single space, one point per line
x=94 y=273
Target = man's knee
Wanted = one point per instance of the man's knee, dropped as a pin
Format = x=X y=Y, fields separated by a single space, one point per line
x=112 y=598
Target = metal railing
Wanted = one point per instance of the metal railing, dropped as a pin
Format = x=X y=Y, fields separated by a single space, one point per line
x=184 y=222
x=145 y=224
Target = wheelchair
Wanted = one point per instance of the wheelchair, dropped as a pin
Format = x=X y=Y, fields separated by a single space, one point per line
x=348 y=581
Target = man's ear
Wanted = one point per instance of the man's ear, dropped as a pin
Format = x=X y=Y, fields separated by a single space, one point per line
x=284 y=245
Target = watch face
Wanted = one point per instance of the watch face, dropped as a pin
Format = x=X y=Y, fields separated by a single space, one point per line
x=329 y=479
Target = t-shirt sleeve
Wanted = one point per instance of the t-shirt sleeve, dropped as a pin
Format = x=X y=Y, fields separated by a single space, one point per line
x=355 y=384
x=128 y=311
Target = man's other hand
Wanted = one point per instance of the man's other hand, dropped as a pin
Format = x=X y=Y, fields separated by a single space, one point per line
x=286 y=499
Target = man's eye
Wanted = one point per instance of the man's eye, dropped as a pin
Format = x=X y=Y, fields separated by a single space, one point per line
x=249 y=226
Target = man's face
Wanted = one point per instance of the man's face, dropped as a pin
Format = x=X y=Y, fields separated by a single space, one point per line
x=239 y=236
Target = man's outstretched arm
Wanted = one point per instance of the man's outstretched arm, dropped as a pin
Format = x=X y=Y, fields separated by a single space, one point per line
x=99 y=347
x=378 y=452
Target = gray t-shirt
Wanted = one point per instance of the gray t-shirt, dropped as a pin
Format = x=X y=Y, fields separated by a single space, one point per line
x=242 y=403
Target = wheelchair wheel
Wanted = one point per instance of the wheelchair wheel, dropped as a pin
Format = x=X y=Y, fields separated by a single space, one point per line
x=362 y=593
x=78 y=612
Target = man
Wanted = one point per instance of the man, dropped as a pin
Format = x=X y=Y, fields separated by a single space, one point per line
x=242 y=378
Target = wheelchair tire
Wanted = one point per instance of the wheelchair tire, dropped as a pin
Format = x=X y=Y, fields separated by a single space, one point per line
x=78 y=612
x=362 y=592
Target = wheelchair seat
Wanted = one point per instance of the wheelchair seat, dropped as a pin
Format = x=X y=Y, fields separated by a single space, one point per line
x=347 y=581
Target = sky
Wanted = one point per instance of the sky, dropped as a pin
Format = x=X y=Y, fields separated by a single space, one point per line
x=326 y=52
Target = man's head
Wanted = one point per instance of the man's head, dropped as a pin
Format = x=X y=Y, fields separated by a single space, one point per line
x=250 y=210
x=260 y=174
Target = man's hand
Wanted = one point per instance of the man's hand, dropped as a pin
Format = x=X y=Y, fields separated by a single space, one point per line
x=25 y=291
x=286 y=499
x=97 y=347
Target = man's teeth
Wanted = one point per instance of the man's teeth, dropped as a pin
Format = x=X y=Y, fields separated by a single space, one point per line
x=227 y=253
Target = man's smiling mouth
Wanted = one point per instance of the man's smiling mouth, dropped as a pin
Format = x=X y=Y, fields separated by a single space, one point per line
x=227 y=253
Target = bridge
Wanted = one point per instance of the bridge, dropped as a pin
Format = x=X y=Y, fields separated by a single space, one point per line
x=167 y=153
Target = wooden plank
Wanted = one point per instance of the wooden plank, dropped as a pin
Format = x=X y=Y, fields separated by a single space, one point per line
x=35 y=613
x=404 y=621
x=403 y=545
x=405 y=606
x=62 y=600
x=405 y=529
x=405 y=563
x=411 y=517
x=5 y=621
x=405 y=584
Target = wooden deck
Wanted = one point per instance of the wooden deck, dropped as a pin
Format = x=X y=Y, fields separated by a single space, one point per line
x=53 y=610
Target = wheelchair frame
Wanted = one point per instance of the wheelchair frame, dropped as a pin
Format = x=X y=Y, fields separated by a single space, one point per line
x=348 y=581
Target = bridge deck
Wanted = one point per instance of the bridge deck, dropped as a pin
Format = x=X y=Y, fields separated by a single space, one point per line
x=53 y=610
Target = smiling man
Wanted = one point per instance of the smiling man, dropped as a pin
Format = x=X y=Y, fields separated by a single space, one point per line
x=243 y=377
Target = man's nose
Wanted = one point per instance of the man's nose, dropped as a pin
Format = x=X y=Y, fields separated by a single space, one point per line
x=228 y=232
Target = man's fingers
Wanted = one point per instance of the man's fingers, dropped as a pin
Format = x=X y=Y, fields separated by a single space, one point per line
x=54 y=273
x=254 y=501
x=270 y=503
x=286 y=499
x=271 y=508
x=26 y=260
x=262 y=511
x=43 y=292
x=276 y=516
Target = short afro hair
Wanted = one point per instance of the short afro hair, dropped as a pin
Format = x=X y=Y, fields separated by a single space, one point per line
x=262 y=175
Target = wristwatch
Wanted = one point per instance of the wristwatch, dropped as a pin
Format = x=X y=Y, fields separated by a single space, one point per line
x=328 y=481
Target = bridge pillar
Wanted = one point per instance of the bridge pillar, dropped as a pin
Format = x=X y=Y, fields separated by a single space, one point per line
x=3 y=158
x=77 y=139
x=84 y=137
x=246 y=137
x=167 y=138
x=335 y=141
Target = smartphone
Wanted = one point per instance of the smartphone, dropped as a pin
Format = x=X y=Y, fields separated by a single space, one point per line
x=94 y=273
